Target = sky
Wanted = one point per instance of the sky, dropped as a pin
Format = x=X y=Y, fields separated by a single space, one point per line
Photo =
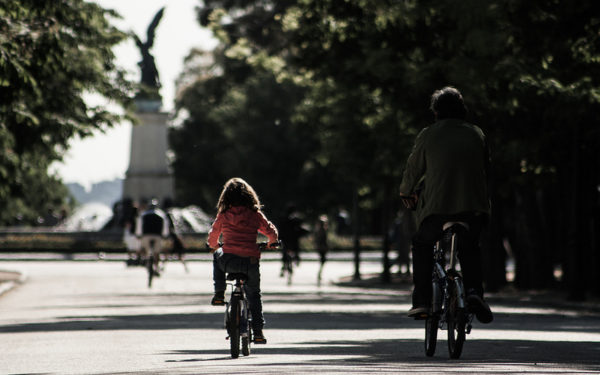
x=105 y=156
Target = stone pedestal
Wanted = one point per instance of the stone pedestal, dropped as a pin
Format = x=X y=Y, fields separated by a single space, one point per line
x=149 y=175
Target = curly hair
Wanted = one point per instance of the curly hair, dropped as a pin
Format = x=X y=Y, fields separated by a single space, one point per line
x=237 y=192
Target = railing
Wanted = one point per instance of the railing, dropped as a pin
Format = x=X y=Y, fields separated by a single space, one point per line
x=45 y=239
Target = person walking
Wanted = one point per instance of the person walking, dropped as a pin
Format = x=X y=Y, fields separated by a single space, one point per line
x=321 y=243
x=445 y=179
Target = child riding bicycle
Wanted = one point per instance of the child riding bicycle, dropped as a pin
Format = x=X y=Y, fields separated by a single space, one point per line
x=239 y=219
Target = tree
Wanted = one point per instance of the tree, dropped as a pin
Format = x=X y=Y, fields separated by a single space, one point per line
x=52 y=54
x=238 y=124
x=529 y=73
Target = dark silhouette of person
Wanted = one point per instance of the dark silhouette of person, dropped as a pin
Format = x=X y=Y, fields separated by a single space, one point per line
x=445 y=179
x=290 y=232
x=321 y=244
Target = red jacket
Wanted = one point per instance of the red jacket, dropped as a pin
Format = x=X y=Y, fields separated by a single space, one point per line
x=240 y=227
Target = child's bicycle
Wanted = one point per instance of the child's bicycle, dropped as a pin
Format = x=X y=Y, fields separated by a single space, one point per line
x=238 y=319
x=449 y=310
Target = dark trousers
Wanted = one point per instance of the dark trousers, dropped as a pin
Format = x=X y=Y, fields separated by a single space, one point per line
x=230 y=263
x=469 y=255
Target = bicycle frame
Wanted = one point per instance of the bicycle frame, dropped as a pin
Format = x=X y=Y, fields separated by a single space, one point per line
x=449 y=310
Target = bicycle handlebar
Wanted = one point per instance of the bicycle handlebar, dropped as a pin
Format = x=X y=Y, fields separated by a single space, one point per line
x=261 y=245
x=264 y=245
x=410 y=201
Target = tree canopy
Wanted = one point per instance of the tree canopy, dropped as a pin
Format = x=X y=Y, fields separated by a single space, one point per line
x=52 y=54
x=359 y=75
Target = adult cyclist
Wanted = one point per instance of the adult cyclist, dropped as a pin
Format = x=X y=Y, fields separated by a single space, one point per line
x=445 y=179
x=152 y=228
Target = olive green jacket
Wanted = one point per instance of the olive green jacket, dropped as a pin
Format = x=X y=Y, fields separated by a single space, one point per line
x=448 y=168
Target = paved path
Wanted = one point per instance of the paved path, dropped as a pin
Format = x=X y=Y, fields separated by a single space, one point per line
x=98 y=317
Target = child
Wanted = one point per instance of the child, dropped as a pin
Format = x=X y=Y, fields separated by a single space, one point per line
x=239 y=220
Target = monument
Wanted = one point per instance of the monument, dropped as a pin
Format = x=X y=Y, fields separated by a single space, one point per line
x=149 y=175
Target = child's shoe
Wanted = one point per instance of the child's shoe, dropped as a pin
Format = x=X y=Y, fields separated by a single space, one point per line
x=218 y=299
x=259 y=338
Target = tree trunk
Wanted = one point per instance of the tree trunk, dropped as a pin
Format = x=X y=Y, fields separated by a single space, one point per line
x=493 y=252
x=387 y=204
x=575 y=272
x=356 y=233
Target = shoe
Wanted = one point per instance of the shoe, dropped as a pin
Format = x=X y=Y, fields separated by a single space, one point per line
x=419 y=313
x=480 y=308
x=259 y=338
x=218 y=299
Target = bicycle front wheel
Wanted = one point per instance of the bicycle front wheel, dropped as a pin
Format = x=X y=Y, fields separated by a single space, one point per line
x=234 y=327
x=456 y=318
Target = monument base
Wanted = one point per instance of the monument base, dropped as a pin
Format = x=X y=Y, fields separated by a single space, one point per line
x=142 y=187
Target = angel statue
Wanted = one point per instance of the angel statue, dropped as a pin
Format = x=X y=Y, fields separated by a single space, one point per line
x=148 y=68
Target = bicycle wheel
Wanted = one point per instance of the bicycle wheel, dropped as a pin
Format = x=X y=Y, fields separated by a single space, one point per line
x=248 y=337
x=456 y=318
x=234 y=327
x=431 y=329
x=150 y=267
x=246 y=346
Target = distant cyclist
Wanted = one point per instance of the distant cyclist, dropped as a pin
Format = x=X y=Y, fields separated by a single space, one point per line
x=152 y=227
x=291 y=231
x=448 y=166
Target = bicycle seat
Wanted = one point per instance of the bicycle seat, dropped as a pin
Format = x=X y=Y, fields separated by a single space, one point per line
x=455 y=226
x=236 y=276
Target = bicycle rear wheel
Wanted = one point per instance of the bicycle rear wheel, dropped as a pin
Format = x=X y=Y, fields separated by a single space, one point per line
x=150 y=267
x=247 y=339
x=456 y=318
x=246 y=346
x=234 y=327
x=431 y=329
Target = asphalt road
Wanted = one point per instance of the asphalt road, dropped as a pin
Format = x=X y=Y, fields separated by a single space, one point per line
x=99 y=317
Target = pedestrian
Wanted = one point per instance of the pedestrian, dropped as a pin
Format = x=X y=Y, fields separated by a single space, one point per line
x=178 y=247
x=445 y=179
x=132 y=243
x=321 y=244
x=290 y=231
x=400 y=238
x=239 y=220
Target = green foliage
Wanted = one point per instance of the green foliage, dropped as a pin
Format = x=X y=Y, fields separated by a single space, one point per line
x=239 y=125
x=52 y=53
x=528 y=70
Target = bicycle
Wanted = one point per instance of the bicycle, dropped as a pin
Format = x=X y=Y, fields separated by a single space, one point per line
x=238 y=319
x=152 y=259
x=449 y=311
